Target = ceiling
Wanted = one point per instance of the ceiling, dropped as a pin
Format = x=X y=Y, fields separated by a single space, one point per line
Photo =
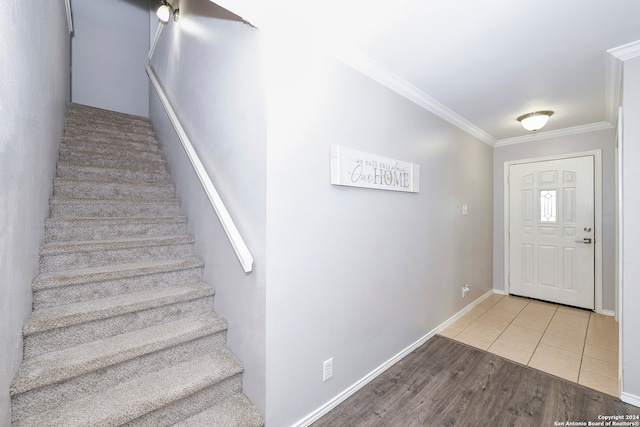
x=482 y=63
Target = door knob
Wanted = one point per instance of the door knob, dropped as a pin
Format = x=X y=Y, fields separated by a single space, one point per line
x=587 y=229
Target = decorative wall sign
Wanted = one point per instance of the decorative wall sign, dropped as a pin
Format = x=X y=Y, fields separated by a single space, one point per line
x=355 y=168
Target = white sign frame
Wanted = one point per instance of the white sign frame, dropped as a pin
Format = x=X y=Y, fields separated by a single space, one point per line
x=353 y=168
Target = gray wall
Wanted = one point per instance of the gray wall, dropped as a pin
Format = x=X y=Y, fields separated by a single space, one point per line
x=34 y=93
x=110 y=47
x=603 y=140
x=208 y=64
x=631 y=231
x=355 y=274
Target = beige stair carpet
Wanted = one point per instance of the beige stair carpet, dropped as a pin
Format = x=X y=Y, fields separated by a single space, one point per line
x=123 y=329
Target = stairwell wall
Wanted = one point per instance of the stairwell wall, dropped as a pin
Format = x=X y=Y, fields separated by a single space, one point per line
x=34 y=95
x=208 y=65
x=110 y=47
x=354 y=274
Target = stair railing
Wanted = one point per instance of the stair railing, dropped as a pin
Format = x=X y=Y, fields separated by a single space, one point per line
x=239 y=246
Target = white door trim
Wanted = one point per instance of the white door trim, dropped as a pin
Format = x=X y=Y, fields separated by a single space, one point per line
x=598 y=220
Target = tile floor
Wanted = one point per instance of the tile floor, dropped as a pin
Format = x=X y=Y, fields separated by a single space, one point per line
x=574 y=344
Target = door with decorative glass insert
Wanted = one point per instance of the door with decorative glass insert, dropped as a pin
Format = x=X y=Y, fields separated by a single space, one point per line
x=551 y=237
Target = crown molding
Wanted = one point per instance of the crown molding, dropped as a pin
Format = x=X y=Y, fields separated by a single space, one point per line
x=372 y=69
x=593 y=127
x=616 y=56
x=613 y=88
x=626 y=51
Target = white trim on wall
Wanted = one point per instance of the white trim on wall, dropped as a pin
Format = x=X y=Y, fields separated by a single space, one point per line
x=234 y=236
x=630 y=398
x=620 y=244
x=154 y=42
x=555 y=133
x=598 y=217
x=67 y=4
x=615 y=58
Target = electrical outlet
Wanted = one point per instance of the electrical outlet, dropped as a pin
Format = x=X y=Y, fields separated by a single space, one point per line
x=327 y=369
x=465 y=290
x=465 y=210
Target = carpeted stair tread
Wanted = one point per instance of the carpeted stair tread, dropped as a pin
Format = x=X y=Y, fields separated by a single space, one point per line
x=72 y=222
x=81 y=110
x=106 y=170
x=106 y=158
x=55 y=256
x=56 y=366
x=135 y=398
x=78 y=276
x=65 y=229
x=141 y=135
x=100 y=173
x=110 y=137
x=70 y=207
x=61 y=229
x=98 y=120
x=50 y=318
x=105 y=145
x=74 y=147
x=88 y=188
x=236 y=411
x=121 y=126
x=97 y=154
x=120 y=201
x=114 y=201
x=55 y=248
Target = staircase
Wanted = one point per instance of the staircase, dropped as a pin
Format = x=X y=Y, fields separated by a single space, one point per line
x=123 y=329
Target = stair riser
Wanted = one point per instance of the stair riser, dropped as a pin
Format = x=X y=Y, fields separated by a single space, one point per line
x=135 y=125
x=107 y=117
x=63 y=261
x=111 y=160
x=107 y=146
x=50 y=396
x=84 y=189
x=109 y=126
x=89 y=291
x=110 y=231
x=118 y=175
x=85 y=210
x=60 y=338
x=191 y=405
x=102 y=125
x=90 y=132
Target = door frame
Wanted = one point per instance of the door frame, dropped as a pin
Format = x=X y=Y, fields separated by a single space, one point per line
x=597 y=171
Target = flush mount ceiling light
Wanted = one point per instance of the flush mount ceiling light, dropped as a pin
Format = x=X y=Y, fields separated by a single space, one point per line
x=165 y=11
x=535 y=121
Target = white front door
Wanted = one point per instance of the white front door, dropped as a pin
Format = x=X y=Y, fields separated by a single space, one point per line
x=551 y=231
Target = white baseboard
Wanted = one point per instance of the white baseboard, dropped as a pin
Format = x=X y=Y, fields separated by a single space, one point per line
x=324 y=409
x=609 y=313
x=630 y=399
x=464 y=311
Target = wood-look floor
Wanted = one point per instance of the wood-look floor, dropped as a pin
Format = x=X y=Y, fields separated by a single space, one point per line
x=447 y=383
